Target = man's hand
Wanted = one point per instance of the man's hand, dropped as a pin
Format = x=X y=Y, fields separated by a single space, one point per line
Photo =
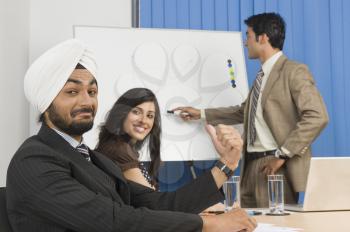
x=234 y=220
x=228 y=143
x=272 y=166
x=188 y=113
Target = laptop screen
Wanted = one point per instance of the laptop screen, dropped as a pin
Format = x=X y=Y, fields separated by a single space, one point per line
x=328 y=184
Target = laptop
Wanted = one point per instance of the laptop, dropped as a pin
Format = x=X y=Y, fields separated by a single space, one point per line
x=327 y=187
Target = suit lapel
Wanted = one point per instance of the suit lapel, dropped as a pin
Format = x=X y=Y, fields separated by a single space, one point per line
x=246 y=114
x=274 y=75
x=104 y=172
x=57 y=143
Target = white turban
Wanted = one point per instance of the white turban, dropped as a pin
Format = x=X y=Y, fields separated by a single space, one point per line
x=48 y=74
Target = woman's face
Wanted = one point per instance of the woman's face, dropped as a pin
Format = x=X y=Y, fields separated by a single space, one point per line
x=139 y=121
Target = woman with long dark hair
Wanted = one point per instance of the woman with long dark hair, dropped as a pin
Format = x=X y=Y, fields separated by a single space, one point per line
x=133 y=120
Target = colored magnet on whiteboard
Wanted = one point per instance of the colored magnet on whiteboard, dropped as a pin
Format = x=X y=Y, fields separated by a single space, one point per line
x=231 y=73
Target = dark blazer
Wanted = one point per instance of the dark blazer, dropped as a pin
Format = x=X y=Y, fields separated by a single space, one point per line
x=51 y=187
x=293 y=110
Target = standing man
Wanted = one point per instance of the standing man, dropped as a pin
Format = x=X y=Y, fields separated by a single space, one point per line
x=282 y=115
x=56 y=183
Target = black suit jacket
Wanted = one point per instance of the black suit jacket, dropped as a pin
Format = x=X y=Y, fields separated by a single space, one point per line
x=51 y=187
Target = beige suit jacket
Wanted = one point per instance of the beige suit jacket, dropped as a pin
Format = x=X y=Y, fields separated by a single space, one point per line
x=293 y=110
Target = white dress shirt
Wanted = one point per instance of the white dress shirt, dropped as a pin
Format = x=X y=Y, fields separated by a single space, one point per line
x=74 y=143
x=264 y=139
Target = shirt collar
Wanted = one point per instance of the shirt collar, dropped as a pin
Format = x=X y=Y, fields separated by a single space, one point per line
x=269 y=63
x=74 y=143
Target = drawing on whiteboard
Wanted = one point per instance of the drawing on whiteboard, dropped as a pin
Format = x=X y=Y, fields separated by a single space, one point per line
x=185 y=60
x=155 y=70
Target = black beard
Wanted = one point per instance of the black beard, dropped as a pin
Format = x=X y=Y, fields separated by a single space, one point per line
x=74 y=128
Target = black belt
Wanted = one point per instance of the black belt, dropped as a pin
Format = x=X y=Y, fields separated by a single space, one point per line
x=257 y=155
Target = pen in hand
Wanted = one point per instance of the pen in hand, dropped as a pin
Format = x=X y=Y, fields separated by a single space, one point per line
x=178 y=113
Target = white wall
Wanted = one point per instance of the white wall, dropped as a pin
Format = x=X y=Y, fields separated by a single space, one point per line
x=27 y=29
x=14 y=42
x=52 y=21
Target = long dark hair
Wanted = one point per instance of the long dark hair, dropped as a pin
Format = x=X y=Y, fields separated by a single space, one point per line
x=113 y=129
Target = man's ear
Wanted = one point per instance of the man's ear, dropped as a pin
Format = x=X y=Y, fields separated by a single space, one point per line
x=263 y=39
x=46 y=116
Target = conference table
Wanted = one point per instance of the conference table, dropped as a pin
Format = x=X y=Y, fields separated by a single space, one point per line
x=338 y=221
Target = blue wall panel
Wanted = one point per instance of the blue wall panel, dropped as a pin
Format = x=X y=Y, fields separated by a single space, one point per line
x=146 y=13
x=337 y=70
x=221 y=15
x=233 y=17
x=183 y=14
x=170 y=11
x=272 y=5
x=345 y=46
x=158 y=13
x=196 y=14
x=208 y=15
x=259 y=6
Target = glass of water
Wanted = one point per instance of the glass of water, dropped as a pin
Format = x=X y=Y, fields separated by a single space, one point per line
x=232 y=193
x=276 y=194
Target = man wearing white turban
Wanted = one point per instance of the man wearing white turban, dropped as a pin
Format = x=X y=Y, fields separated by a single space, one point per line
x=48 y=74
x=55 y=183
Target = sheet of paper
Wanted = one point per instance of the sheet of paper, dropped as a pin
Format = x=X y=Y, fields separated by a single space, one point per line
x=263 y=227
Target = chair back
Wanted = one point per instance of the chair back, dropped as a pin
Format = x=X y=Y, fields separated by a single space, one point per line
x=4 y=221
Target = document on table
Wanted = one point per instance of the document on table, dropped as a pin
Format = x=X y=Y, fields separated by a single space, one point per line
x=263 y=227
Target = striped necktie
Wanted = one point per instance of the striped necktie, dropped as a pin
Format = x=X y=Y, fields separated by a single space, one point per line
x=254 y=105
x=84 y=150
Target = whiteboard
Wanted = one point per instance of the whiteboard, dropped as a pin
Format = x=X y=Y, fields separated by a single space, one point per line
x=182 y=67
